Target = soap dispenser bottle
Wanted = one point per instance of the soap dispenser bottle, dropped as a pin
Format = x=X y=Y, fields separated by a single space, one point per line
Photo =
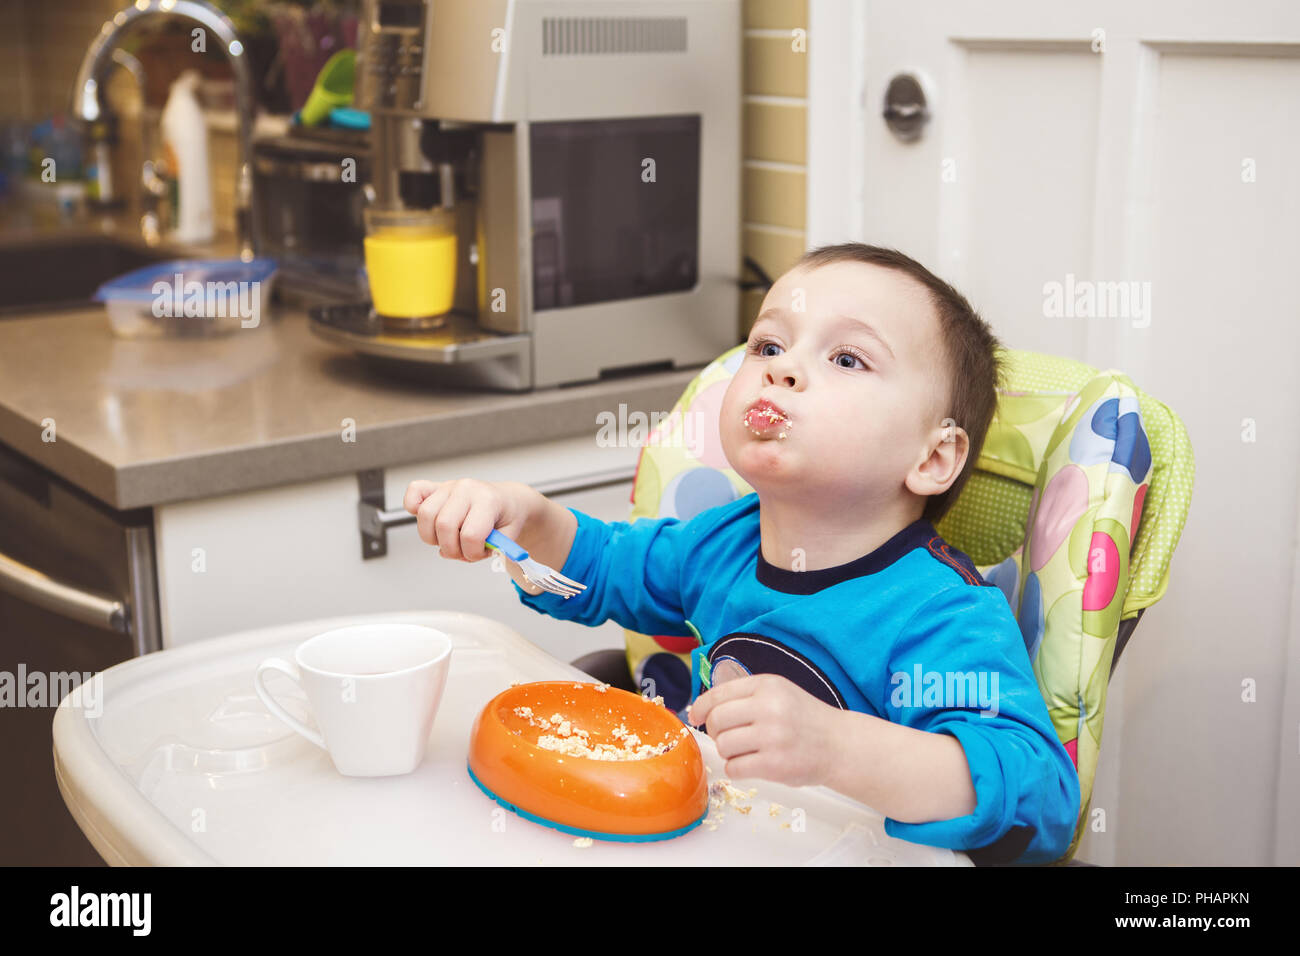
x=185 y=148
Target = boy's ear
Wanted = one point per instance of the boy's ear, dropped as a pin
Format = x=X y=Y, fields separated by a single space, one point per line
x=949 y=445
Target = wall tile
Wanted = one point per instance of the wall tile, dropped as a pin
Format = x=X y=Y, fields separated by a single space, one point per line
x=775 y=14
x=776 y=132
x=775 y=196
x=773 y=68
x=773 y=250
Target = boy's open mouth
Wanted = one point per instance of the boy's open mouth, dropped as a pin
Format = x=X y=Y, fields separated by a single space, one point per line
x=766 y=420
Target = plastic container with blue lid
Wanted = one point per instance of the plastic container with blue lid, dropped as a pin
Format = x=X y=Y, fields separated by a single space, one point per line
x=347 y=117
x=190 y=297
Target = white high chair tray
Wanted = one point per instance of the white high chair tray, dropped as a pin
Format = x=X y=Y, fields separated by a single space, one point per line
x=184 y=765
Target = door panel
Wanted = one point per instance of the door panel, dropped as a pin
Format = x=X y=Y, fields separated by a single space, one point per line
x=1155 y=144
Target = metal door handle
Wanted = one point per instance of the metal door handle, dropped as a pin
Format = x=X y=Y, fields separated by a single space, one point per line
x=906 y=107
x=32 y=586
x=375 y=520
x=903 y=110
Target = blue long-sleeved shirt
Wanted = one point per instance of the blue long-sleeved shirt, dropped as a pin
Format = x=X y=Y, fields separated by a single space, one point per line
x=910 y=633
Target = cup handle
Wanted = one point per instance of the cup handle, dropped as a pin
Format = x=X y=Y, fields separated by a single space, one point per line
x=290 y=671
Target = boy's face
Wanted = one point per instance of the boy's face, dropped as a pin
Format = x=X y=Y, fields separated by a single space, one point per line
x=854 y=417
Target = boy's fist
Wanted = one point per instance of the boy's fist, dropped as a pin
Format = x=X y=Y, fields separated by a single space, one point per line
x=766 y=726
x=457 y=516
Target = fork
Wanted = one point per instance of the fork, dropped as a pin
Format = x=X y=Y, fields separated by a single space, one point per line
x=546 y=578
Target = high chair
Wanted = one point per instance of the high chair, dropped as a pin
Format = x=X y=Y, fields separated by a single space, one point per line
x=1073 y=510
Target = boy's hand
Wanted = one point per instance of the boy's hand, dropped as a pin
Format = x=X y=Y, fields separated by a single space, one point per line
x=766 y=726
x=457 y=516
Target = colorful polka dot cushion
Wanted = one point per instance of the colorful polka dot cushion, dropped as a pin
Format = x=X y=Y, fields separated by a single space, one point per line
x=1074 y=509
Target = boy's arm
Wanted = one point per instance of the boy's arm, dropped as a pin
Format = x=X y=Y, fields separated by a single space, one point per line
x=910 y=775
x=517 y=576
x=766 y=726
x=547 y=537
x=633 y=571
x=965 y=646
x=548 y=532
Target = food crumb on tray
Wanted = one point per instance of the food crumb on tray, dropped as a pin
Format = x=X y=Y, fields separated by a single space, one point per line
x=583 y=842
x=733 y=795
x=723 y=794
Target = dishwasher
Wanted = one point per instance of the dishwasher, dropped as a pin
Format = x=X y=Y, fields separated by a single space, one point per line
x=78 y=594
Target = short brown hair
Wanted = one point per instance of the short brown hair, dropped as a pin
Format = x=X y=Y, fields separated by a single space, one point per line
x=968 y=343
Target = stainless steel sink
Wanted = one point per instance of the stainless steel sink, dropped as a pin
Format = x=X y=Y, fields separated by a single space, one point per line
x=52 y=274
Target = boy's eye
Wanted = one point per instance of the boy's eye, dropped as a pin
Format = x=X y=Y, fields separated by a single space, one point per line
x=852 y=357
x=759 y=347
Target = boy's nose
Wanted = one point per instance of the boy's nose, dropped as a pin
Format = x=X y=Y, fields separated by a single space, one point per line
x=782 y=374
x=782 y=369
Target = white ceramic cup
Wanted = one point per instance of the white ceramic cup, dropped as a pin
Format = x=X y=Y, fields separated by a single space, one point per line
x=374 y=690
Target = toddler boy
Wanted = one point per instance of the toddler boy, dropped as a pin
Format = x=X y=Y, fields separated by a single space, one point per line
x=842 y=641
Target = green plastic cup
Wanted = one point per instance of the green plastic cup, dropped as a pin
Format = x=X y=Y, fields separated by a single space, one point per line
x=333 y=88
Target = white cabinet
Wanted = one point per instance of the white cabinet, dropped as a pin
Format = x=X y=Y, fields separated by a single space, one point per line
x=293 y=553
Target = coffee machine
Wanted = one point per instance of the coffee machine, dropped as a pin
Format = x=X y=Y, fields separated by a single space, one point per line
x=588 y=153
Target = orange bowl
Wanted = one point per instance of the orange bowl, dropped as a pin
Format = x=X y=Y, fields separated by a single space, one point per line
x=653 y=798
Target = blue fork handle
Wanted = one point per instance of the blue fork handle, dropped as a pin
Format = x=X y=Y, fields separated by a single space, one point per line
x=499 y=542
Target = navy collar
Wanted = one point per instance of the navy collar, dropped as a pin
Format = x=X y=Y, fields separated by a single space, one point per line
x=915 y=535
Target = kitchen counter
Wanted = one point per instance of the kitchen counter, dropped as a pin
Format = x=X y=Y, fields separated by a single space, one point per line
x=146 y=422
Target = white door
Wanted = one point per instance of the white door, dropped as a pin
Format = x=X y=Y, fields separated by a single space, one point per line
x=1156 y=143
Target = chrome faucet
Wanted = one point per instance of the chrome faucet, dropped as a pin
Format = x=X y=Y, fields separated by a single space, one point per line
x=152 y=186
x=86 y=105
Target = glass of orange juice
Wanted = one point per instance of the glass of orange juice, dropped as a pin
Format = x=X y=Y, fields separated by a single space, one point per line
x=411 y=261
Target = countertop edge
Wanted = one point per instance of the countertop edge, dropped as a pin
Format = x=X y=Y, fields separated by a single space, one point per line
x=62 y=457
x=309 y=458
